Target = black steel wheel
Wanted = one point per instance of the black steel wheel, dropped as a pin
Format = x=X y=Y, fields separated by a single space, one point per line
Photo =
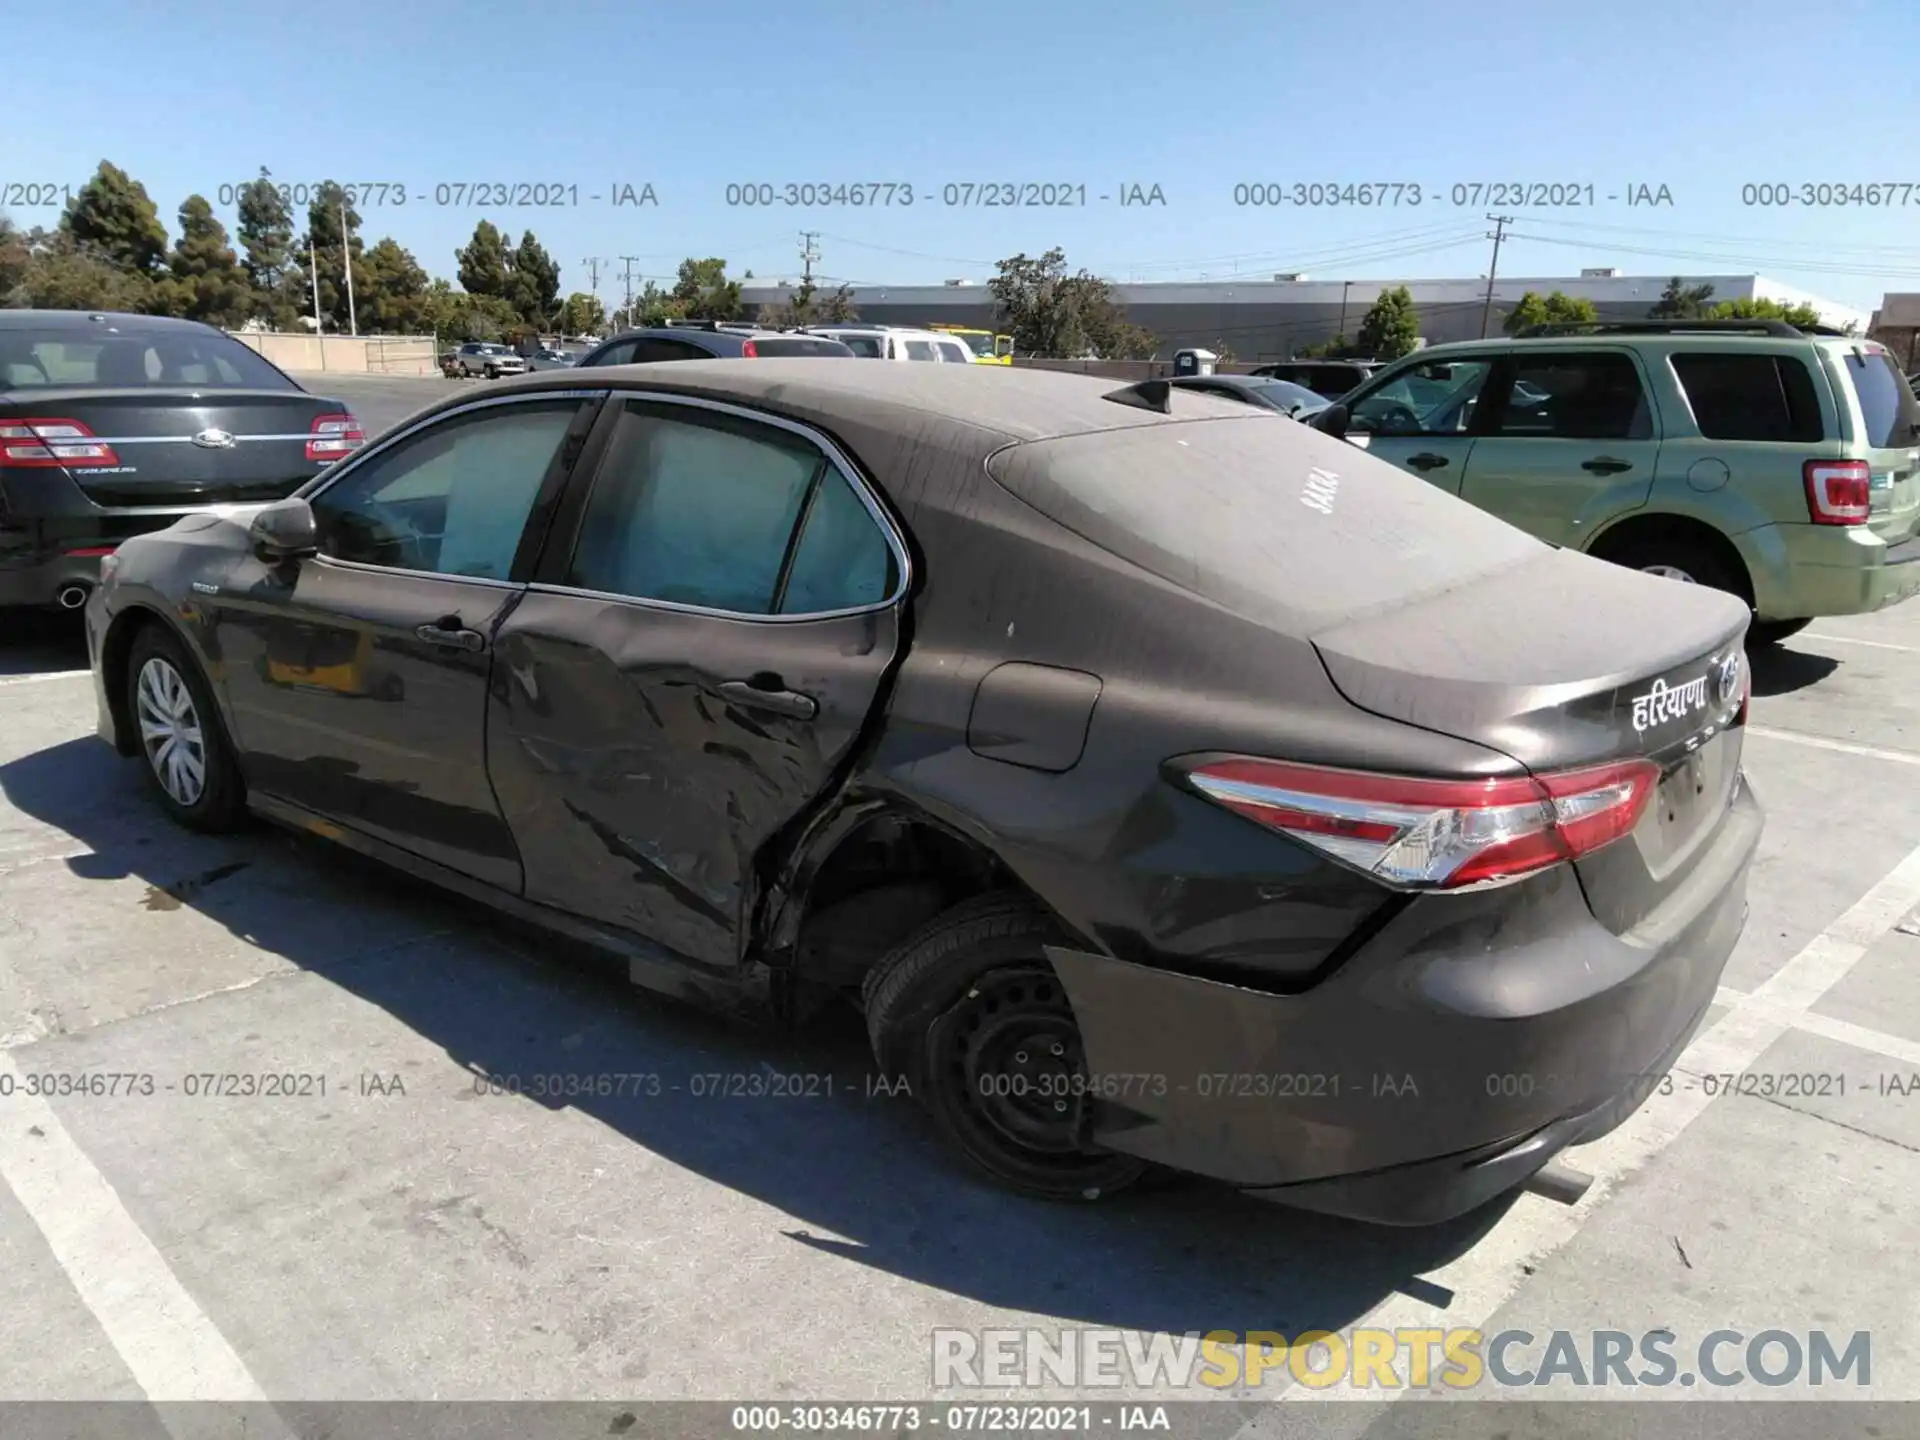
x=971 y=1015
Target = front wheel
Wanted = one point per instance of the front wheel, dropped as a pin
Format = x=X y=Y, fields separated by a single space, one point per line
x=493 y=372
x=971 y=1014
x=182 y=740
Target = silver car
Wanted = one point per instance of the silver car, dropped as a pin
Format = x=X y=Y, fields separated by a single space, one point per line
x=547 y=358
x=478 y=357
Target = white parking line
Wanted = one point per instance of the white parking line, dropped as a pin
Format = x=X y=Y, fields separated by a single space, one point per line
x=1489 y=1275
x=1849 y=640
x=43 y=677
x=1845 y=747
x=170 y=1346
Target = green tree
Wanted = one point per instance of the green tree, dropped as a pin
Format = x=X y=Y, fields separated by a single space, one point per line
x=331 y=220
x=704 y=292
x=1338 y=348
x=582 y=314
x=1052 y=313
x=204 y=280
x=1797 y=314
x=390 y=291
x=64 y=274
x=486 y=262
x=653 y=306
x=534 y=286
x=1391 y=327
x=113 y=217
x=265 y=233
x=1680 y=301
x=16 y=258
x=1554 y=309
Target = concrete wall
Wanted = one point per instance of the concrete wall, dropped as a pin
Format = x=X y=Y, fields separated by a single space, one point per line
x=346 y=354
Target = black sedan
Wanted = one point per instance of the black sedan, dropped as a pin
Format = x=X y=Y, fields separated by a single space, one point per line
x=113 y=425
x=1167 y=786
x=1283 y=396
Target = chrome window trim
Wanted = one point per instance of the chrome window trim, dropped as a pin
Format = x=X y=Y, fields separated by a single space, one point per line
x=361 y=567
x=836 y=457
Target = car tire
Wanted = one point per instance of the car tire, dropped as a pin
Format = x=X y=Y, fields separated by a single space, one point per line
x=971 y=997
x=1772 y=632
x=167 y=692
x=1679 y=559
x=492 y=373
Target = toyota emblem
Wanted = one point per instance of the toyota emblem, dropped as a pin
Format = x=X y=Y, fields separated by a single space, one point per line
x=1726 y=678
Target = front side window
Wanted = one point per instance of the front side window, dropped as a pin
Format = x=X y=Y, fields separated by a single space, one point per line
x=1431 y=399
x=453 y=500
x=1562 y=396
x=705 y=510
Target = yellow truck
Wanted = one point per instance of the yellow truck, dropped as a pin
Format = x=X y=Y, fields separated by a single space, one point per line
x=988 y=348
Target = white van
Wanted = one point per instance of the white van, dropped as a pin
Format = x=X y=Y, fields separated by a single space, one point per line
x=897 y=342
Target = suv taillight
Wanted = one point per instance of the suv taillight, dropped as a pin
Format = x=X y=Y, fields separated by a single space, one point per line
x=334 y=436
x=1838 y=491
x=750 y=350
x=44 y=444
x=1435 y=834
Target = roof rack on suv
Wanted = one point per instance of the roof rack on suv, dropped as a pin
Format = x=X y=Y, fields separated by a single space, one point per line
x=1669 y=327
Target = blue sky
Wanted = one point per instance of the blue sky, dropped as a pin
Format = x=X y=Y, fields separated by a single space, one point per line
x=1699 y=96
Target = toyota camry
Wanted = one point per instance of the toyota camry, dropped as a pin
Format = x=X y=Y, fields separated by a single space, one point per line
x=1169 y=788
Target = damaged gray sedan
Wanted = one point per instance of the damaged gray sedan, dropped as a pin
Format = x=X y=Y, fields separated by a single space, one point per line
x=1167 y=786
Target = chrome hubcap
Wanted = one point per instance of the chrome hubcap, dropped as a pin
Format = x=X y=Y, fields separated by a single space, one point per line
x=170 y=731
x=1669 y=572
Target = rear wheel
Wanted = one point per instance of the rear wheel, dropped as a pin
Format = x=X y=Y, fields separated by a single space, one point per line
x=1679 y=558
x=970 y=1013
x=181 y=738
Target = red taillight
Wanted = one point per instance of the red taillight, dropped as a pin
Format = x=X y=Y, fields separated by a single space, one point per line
x=1437 y=834
x=44 y=444
x=93 y=551
x=750 y=350
x=1838 y=491
x=334 y=436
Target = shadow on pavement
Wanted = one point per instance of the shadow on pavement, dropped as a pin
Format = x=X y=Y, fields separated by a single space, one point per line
x=861 y=1174
x=38 y=642
x=1780 y=670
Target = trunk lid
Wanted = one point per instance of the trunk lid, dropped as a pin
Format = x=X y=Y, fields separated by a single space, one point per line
x=157 y=462
x=1640 y=667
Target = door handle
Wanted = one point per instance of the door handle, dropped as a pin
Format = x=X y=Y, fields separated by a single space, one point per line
x=1607 y=465
x=764 y=692
x=450 y=632
x=1428 y=462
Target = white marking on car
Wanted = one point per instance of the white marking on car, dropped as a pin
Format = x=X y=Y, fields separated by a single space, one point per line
x=1668 y=702
x=1322 y=488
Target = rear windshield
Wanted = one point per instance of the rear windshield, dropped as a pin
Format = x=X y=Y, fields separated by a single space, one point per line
x=1750 y=397
x=1886 y=401
x=44 y=359
x=794 y=345
x=1276 y=522
x=865 y=346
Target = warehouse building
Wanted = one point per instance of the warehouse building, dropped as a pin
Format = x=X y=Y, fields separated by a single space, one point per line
x=1271 y=319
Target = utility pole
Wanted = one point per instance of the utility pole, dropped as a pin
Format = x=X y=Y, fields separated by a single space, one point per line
x=628 y=260
x=1500 y=223
x=346 y=261
x=592 y=262
x=313 y=267
x=808 y=254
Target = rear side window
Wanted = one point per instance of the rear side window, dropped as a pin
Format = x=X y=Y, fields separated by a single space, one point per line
x=952 y=350
x=921 y=350
x=793 y=345
x=1750 y=397
x=32 y=359
x=646 y=352
x=1886 y=402
x=620 y=353
x=1576 y=397
x=843 y=561
x=865 y=346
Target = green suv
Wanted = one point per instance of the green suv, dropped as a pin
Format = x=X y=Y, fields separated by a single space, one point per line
x=1780 y=464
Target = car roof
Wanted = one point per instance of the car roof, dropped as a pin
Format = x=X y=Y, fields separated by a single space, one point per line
x=84 y=320
x=1002 y=404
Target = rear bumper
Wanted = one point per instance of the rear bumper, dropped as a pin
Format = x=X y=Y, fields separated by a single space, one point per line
x=1456 y=1053
x=37 y=577
x=1802 y=571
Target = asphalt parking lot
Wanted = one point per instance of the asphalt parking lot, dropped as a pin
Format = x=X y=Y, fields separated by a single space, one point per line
x=408 y=1234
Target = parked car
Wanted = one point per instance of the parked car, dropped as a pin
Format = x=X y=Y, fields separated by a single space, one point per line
x=112 y=425
x=547 y=358
x=1330 y=378
x=721 y=666
x=710 y=341
x=1778 y=465
x=1289 y=399
x=478 y=357
x=897 y=342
